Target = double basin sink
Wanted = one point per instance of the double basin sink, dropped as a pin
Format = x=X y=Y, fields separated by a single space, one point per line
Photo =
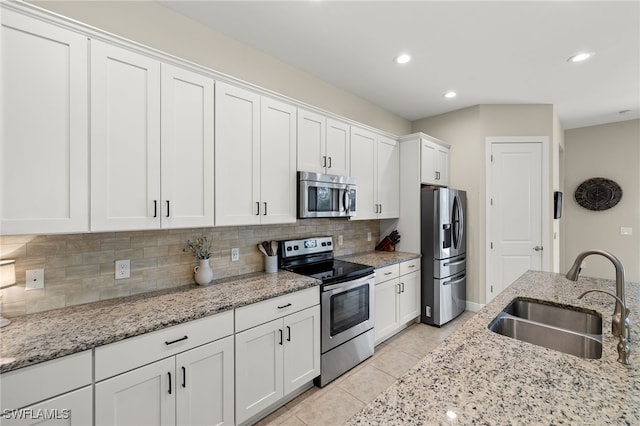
x=572 y=330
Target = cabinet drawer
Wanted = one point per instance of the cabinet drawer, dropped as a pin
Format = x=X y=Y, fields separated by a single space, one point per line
x=387 y=273
x=134 y=352
x=409 y=266
x=45 y=380
x=268 y=310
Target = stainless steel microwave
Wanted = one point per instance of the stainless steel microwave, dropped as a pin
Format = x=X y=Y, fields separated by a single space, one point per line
x=321 y=195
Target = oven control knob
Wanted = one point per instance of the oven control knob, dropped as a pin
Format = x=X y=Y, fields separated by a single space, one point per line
x=296 y=247
x=324 y=244
x=289 y=248
x=328 y=243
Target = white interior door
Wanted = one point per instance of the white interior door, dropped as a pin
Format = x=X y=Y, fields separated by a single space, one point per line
x=515 y=213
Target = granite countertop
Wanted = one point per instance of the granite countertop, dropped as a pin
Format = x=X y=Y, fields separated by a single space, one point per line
x=380 y=259
x=40 y=337
x=479 y=377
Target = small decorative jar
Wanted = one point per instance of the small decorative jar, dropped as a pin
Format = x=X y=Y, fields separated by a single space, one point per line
x=203 y=273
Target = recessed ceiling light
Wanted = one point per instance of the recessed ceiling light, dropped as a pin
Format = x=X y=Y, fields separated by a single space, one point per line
x=450 y=94
x=580 y=57
x=402 y=59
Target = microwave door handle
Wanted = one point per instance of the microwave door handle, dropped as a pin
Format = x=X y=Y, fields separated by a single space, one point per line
x=347 y=200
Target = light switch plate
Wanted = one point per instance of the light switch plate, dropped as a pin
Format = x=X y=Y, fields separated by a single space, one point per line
x=626 y=230
x=35 y=279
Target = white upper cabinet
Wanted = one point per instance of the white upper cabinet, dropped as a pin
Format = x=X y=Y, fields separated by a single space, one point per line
x=388 y=175
x=255 y=158
x=375 y=163
x=44 y=148
x=434 y=161
x=277 y=161
x=187 y=148
x=125 y=139
x=152 y=143
x=323 y=144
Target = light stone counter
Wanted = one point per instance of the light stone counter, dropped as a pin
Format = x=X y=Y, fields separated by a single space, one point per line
x=380 y=259
x=40 y=337
x=479 y=377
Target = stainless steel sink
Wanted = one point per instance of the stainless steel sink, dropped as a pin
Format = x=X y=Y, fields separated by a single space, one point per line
x=566 y=329
x=569 y=318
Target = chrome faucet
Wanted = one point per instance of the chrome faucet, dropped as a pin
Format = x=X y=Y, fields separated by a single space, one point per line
x=620 y=321
x=624 y=344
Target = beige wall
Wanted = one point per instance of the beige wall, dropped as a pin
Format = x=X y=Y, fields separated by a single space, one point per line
x=466 y=131
x=611 y=151
x=151 y=24
x=79 y=268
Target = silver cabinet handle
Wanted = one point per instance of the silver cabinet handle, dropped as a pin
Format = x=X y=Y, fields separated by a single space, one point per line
x=258 y=208
x=324 y=161
x=265 y=209
x=329 y=162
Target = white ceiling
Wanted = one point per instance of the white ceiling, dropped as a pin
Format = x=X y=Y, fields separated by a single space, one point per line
x=500 y=52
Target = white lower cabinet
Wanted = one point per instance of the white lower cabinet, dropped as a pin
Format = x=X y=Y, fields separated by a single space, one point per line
x=397 y=298
x=56 y=392
x=275 y=358
x=178 y=375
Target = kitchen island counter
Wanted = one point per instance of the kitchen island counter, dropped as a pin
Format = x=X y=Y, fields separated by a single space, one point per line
x=479 y=377
x=39 y=337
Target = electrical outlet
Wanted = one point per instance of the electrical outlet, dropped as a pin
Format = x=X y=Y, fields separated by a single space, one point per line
x=340 y=240
x=368 y=235
x=35 y=279
x=626 y=230
x=123 y=269
x=235 y=254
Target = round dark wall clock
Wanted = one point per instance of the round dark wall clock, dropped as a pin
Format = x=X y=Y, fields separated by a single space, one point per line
x=598 y=194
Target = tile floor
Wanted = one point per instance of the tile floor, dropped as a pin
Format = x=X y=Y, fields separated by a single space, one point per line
x=335 y=403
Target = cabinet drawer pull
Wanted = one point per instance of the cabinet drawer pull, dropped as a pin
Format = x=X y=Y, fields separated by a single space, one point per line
x=284 y=306
x=265 y=209
x=258 y=208
x=399 y=288
x=402 y=284
x=169 y=373
x=324 y=161
x=288 y=334
x=280 y=330
x=168 y=208
x=388 y=273
x=329 y=162
x=176 y=341
x=411 y=266
x=184 y=377
x=155 y=208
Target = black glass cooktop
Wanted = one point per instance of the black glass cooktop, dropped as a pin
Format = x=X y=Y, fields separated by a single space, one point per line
x=333 y=271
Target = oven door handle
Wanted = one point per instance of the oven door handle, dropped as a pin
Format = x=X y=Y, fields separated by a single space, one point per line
x=347 y=285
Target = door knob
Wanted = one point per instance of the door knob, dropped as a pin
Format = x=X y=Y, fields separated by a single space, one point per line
x=538 y=248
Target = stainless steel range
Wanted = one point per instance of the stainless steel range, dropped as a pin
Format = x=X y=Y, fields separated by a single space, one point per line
x=346 y=303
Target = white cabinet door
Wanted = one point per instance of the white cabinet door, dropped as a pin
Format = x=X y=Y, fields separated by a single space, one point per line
x=44 y=163
x=237 y=160
x=301 y=348
x=258 y=368
x=338 y=148
x=388 y=177
x=278 y=162
x=409 y=300
x=434 y=163
x=187 y=149
x=442 y=165
x=312 y=155
x=386 y=316
x=70 y=409
x=125 y=139
x=363 y=147
x=204 y=382
x=144 y=396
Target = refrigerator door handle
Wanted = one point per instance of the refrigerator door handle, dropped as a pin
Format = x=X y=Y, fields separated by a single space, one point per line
x=460 y=279
x=455 y=263
x=457 y=222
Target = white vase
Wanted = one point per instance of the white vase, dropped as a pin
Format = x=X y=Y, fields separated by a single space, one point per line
x=203 y=272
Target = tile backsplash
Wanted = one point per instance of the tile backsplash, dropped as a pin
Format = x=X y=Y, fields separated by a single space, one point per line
x=80 y=268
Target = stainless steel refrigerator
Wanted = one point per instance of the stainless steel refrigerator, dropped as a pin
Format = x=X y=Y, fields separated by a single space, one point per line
x=444 y=259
